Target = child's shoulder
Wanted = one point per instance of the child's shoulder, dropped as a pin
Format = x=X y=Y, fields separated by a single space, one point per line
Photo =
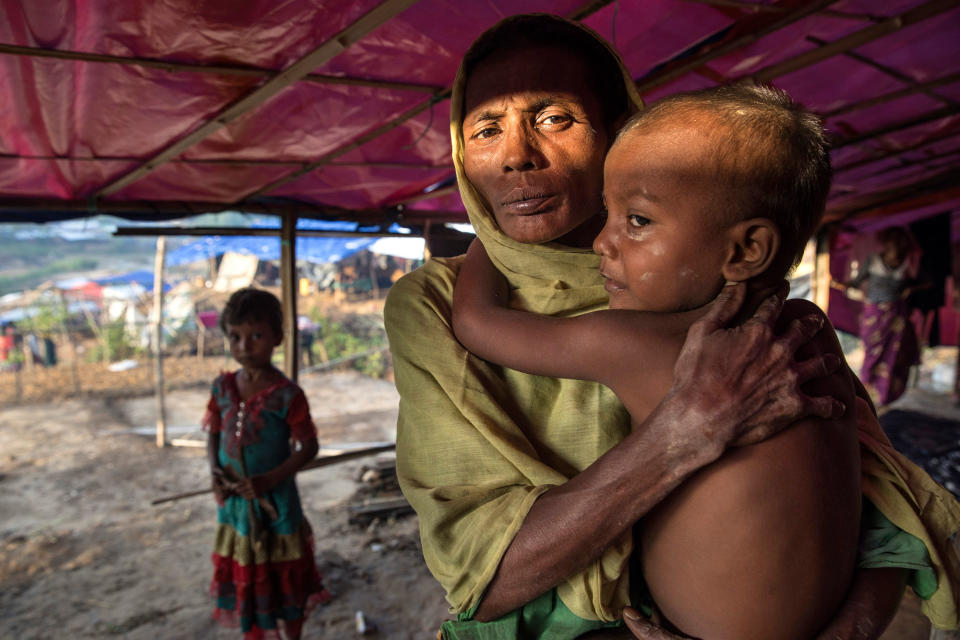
x=223 y=381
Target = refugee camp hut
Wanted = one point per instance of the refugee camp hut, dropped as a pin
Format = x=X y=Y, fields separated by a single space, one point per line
x=338 y=111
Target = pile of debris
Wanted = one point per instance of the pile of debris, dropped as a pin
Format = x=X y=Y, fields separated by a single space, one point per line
x=378 y=498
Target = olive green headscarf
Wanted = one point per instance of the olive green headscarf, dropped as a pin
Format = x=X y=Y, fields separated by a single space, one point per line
x=477 y=444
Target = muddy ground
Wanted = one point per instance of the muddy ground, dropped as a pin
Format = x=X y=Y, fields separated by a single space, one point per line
x=83 y=554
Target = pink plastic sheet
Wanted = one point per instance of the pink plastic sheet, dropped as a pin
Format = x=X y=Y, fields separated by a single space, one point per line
x=69 y=128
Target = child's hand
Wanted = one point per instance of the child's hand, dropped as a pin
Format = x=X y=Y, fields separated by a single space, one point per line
x=255 y=486
x=222 y=487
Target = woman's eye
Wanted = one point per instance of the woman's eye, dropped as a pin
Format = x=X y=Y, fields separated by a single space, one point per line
x=637 y=220
x=486 y=132
x=555 y=119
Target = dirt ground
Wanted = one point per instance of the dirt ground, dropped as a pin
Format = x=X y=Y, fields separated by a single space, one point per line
x=84 y=555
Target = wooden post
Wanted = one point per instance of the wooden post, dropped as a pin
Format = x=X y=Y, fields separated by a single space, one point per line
x=426 y=241
x=158 y=337
x=820 y=281
x=288 y=275
x=68 y=337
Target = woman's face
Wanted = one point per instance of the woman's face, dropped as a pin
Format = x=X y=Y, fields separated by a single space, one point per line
x=534 y=141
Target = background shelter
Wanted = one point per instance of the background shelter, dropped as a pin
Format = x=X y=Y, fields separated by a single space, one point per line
x=338 y=110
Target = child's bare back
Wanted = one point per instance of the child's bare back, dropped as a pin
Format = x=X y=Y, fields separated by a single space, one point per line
x=762 y=543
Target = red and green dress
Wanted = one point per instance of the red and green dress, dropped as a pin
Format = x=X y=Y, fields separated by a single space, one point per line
x=264 y=568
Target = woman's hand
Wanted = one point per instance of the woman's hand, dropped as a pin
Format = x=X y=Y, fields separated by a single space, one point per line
x=642 y=628
x=743 y=382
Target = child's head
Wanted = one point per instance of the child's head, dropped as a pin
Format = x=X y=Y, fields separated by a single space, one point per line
x=252 y=320
x=706 y=187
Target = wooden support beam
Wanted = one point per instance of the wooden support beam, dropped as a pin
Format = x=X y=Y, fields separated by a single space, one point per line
x=751 y=7
x=17 y=209
x=209 y=69
x=940 y=136
x=160 y=392
x=436 y=193
x=587 y=9
x=295 y=72
x=362 y=140
x=288 y=274
x=580 y=14
x=857 y=39
x=820 y=278
x=248 y=231
x=940 y=189
x=923 y=118
x=917 y=87
x=745 y=32
x=890 y=71
x=256 y=162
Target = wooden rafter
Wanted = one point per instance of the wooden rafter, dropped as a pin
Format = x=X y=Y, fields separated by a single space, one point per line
x=254 y=162
x=246 y=231
x=894 y=95
x=923 y=118
x=295 y=72
x=210 y=69
x=752 y=7
x=745 y=32
x=436 y=193
x=893 y=73
x=327 y=158
x=856 y=39
x=939 y=188
x=580 y=14
x=892 y=153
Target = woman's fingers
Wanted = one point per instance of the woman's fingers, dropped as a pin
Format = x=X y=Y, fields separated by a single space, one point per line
x=769 y=310
x=643 y=628
x=723 y=309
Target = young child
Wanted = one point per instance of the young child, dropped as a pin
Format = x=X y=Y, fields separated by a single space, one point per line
x=260 y=434
x=704 y=189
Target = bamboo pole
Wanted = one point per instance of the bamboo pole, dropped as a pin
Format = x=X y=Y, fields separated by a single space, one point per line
x=316 y=463
x=158 y=338
x=288 y=274
x=820 y=282
x=68 y=337
x=329 y=49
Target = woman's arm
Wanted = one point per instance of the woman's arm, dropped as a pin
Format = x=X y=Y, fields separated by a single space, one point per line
x=738 y=384
x=585 y=347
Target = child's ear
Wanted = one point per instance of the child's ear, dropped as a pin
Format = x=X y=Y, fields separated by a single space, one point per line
x=753 y=246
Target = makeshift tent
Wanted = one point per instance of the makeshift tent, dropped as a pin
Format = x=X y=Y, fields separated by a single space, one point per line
x=311 y=249
x=339 y=110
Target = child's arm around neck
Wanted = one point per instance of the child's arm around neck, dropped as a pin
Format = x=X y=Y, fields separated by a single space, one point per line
x=595 y=346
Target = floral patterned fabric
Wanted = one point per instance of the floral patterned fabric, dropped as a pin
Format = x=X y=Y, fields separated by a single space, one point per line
x=264 y=568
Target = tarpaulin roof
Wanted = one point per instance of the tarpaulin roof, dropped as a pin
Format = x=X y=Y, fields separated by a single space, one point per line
x=319 y=250
x=339 y=109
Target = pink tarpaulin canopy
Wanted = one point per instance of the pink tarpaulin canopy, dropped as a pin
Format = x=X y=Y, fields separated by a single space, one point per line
x=339 y=108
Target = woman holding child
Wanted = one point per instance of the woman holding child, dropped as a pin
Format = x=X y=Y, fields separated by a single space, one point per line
x=527 y=488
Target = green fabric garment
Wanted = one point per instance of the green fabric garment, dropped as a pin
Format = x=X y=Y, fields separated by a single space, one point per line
x=883 y=545
x=546 y=618
x=477 y=444
x=907 y=496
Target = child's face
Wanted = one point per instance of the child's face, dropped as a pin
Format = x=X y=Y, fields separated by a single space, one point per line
x=252 y=343
x=663 y=245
